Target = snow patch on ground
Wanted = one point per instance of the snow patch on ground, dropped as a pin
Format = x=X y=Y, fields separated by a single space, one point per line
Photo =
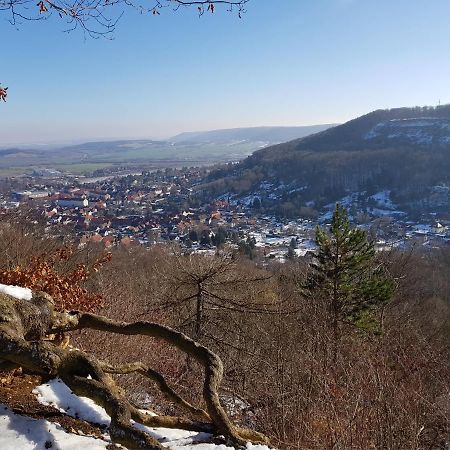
x=249 y=199
x=304 y=248
x=383 y=199
x=422 y=229
x=373 y=133
x=24 y=433
x=57 y=394
x=16 y=291
x=385 y=212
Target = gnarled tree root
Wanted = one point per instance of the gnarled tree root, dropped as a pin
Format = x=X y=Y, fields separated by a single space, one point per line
x=152 y=374
x=23 y=326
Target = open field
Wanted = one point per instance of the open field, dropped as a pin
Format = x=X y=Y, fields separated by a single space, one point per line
x=86 y=159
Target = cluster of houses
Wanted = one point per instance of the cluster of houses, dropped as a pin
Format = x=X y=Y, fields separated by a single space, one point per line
x=148 y=208
x=152 y=207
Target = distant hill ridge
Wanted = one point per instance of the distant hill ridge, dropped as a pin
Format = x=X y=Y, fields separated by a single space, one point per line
x=384 y=127
x=187 y=148
x=263 y=134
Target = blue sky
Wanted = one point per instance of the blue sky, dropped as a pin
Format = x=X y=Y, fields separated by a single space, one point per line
x=286 y=62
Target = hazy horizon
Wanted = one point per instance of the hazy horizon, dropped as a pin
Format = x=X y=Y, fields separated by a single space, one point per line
x=80 y=140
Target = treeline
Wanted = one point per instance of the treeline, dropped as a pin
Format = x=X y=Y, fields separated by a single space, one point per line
x=286 y=373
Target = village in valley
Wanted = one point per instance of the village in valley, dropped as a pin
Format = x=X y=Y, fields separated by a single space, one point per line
x=162 y=206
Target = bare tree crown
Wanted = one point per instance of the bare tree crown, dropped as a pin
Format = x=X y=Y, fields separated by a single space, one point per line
x=96 y=17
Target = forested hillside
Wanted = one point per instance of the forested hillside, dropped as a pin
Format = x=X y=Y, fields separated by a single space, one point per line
x=404 y=150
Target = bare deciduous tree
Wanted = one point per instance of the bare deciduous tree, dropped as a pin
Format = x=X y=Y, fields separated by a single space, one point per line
x=202 y=288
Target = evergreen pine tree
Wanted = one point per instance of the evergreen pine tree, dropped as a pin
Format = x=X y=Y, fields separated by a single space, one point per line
x=346 y=274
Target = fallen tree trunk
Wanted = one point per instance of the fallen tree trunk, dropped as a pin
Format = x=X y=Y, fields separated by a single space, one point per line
x=24 y=326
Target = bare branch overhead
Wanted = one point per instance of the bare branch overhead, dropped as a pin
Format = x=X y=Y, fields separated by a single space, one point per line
x=99 y=17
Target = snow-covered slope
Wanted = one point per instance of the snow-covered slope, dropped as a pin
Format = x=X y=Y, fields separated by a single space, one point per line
x=419 y=131
x=24 y=433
